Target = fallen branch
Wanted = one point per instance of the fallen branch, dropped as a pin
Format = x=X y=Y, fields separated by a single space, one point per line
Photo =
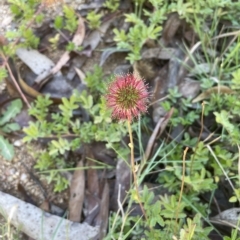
x=42 y=225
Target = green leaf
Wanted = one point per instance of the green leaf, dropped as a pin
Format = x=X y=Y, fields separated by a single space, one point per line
x=58 y=22
x=7 y=150
x=68 y=11
x=39 y=18
x=32 y=132
x=94 y=19
x=10 y=127
x=223 y=118
x=3 y=73
x=61 y=146
x=13 y=109
x=71 y=20
x=15 y=10
x=233 y=199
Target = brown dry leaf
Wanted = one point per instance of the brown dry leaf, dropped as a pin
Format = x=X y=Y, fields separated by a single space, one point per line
x=174 y=65
x=144 y=69
x=122 y=183
x=228 y=217
x=170 y=28
x=77 y=189
x=57 y=88
x=92 y=205
x=160 y=85
x=102 y=218
x=218 y=89
x=159 y=92
x=3 y=40
x=160 y=53
x=101 y=153
x=92 y=176
x=94 y=38
x=45 y=206
x=159 y=128
x=77 y=40
x=168 y=77
x=31 y=92
x=92 y=197
x=24 y=87
x=81 y=75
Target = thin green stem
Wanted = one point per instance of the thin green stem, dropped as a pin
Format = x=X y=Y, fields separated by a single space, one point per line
x=131 y=145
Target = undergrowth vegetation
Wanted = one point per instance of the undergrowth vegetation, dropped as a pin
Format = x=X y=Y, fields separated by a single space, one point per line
x=188 y=166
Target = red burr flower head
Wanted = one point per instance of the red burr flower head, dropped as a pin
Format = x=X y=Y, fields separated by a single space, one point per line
x=127 y=97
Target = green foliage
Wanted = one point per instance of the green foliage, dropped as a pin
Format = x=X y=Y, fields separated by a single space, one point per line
x=231 y=106
x=138 y=34
x=183 y=113
x=72 y=47
x=68 y=21
x=160 y=222
x=94 y=19
x=63 y=124
x=3 y=74
x=167 y=216
x=120 y=227
x=58 y=22
x=71 y=23
x=140 y=31
x=95 y=81
x=112 y=5
x=153 y=211
x=23 y=9
x=24 y=12
x=234 y=235
x=54 y=41
x=194 y=12
x=7 y=150
x=193 y=229
x=236 y=80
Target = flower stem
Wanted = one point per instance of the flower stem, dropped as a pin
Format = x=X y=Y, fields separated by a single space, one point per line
x=131 y=145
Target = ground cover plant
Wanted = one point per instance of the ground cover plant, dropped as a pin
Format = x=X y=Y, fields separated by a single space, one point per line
x=153 y=140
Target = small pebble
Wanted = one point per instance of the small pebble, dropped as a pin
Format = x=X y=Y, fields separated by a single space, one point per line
x=18 y=143
x=24 y=177
x=12 y=171
x=10 y=179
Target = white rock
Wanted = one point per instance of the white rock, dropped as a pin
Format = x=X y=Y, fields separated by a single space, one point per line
x=38 y=224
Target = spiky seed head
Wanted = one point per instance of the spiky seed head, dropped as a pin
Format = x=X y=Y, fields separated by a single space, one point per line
x=127 y=97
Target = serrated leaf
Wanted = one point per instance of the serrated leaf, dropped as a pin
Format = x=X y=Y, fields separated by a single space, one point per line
x=56 y=144
x=6 y=148
x=53 y=151
x=13 y=109
x=11 y=127
x=32 y=132
x=223 y=118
